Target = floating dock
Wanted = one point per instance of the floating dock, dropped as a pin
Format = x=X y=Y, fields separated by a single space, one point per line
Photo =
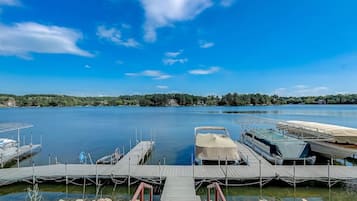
x=179 y=189
x=24 y=151
x=257 y=173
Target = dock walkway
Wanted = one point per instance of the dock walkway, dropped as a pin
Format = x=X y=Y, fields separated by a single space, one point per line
x=137 y=154
x=249 y=156
x=231 y=173
x=179 y=189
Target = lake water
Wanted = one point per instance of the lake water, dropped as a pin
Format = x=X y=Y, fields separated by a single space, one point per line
x=99 y=130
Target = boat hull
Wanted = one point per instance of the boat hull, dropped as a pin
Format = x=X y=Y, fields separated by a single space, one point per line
x=264 y=151
x=329 y=150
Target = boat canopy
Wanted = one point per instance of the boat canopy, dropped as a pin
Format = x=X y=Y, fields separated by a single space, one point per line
x=7 y=127
x=338 y=133
x=288 y=146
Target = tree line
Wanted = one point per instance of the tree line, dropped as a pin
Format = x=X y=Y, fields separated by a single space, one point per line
x=172 y=99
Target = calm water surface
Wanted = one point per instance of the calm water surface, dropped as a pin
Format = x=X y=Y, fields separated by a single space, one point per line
x=99 y=130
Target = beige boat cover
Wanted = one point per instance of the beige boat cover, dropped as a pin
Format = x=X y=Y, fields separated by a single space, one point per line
x=340 y=134
x=216 y=147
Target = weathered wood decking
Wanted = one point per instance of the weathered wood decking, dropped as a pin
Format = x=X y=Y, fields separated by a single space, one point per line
x=179 y=189
x=123 y=169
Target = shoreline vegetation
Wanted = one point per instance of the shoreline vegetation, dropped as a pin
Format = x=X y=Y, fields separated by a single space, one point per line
x=172 y=99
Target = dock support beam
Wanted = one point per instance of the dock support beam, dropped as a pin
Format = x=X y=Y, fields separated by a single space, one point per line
x=129 y=176
x=18 y=147
x=260 y=174
x=294 y=178
x=328 y=174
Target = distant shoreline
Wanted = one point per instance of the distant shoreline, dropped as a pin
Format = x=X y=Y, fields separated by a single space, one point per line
x=173 y=99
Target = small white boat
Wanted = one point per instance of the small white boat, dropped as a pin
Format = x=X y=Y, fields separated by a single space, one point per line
x=277 y=147
x=7 y=146
x=111 y=158
x=213 y=145
x=11 y=150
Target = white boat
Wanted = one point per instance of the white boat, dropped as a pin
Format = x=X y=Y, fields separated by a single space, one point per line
x=277 y=147
x=11 y=150
x=213 y=145
x=111 y=158
x=326 y=139
x=7 y=146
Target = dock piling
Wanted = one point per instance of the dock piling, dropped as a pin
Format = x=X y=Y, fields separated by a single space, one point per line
x=260 y=174
x=294 y=179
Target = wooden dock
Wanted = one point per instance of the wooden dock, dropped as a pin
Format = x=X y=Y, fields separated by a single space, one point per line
x=179 y=189
x=260 y=173
x=137 y=155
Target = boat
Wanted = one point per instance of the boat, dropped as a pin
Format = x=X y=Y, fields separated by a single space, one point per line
x=278 y=148
x=111 y=158
x=11 y=150
x=7 y=146
x=328 y=140
x=213 y=145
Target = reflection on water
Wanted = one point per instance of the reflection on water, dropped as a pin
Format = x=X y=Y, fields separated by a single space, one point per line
x=121 y=193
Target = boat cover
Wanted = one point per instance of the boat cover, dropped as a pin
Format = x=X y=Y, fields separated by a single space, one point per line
x=211 y=146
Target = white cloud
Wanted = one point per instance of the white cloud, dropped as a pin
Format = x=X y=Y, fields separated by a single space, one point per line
x=10 y=3
x=208 y=71
x=171 y=58
x=227 y=3
x=87 y=66
x=155 y=74
x=114 y=35
x=22 y=39
x=173 y=54
x=205 y=44
x=302 y=90
x=162 y=87
x=162 y=13
x=170 y=61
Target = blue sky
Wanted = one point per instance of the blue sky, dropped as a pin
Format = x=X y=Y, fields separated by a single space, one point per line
x=203 y=47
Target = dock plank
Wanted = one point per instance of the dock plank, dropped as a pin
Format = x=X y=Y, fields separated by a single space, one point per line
x=179 y=189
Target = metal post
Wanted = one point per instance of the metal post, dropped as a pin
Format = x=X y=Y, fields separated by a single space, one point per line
x=49 y=159
x=136 y=136
x=65 y=170
x=260 y=174
x=96 y=176
x=130 y=143
x=160 y=171
x=226 y=171
x=328 y=173
x=193 y=167
x=129 y=175
x=164 y=160
x=294 y=176
x=84 y=187
x=18 y=147
x=33 y=173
